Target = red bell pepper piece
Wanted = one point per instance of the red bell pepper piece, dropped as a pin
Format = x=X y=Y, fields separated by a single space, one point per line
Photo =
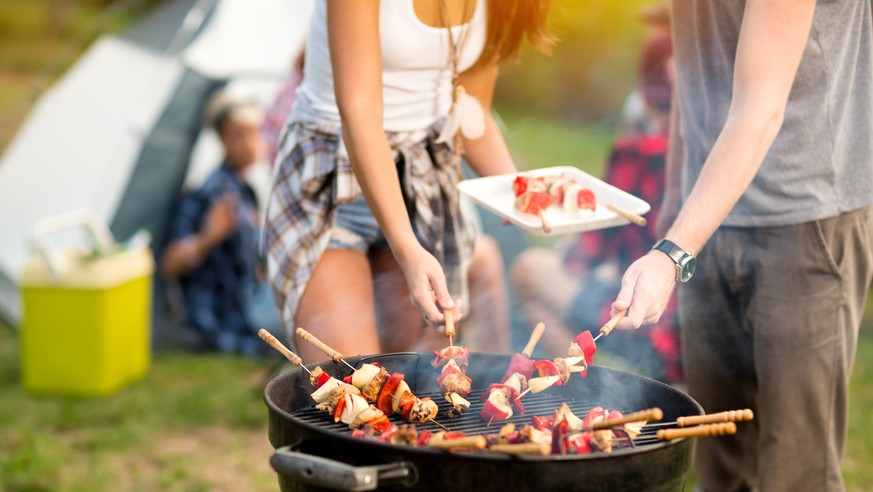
x=579 y=443
x=459 y=354
x=585 y=200
x=406 y=409
x=322 y=378
x=380 y=424
x=519 y=186
x=593 y=414
x=348 y=379
x=423 y=437
x=585 y=341
x=532 y=202
x=388 y=434
x=558 y=431
x=385 y=401
x=520 y=364
x=451 y=370
x=491 y=412
x=338 y=410
x=547 y=368
x=542 y=423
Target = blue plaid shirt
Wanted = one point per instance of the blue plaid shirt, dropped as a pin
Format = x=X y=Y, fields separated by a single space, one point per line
x=217 y=291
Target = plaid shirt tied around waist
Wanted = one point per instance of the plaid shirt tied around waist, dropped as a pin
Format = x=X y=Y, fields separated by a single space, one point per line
x=314 y=176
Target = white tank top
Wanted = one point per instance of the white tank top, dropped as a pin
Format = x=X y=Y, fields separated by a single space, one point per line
x=416 y=70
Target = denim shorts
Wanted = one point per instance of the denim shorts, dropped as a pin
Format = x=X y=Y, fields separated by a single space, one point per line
x=356 y=228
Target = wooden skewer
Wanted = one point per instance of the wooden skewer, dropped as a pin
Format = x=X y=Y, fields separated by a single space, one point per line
x=729 y=416
x=450 y=326
x=547 y=228
x=650 y=414
x=634 y=218
x=524 y=448
x=698 y=431
x=281 y=348
x=315 y=342
x=469 y=442
x=535 y=336
x=610 y=325
x=441 y=426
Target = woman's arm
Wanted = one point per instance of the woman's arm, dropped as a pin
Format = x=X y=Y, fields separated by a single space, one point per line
x=353 y=35
x=772 y=39
x=488 y=154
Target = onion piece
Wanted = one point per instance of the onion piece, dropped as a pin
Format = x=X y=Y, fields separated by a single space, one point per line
x=401 y=388
x=540 y=384
x=364 y=375
x=323 y=391
x=456 y=400
x=355 y=404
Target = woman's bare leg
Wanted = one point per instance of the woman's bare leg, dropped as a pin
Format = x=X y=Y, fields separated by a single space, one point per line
x=337 y=306
x=487 y=327
x=401 y=326
x=545 y=291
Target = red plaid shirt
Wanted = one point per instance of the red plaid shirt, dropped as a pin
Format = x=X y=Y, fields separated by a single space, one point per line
x=637 y=166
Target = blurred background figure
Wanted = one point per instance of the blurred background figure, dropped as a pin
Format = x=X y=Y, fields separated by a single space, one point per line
x=570 y=288
x=213 y=249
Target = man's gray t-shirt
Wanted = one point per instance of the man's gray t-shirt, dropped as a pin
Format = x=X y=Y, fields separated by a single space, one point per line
x=821 y=163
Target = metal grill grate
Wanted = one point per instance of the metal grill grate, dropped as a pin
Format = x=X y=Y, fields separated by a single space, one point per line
x=471 y=424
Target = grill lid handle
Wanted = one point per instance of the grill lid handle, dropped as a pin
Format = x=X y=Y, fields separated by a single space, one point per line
x=325 y=472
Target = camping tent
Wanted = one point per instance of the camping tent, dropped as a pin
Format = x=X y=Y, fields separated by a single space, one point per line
x=116 y=133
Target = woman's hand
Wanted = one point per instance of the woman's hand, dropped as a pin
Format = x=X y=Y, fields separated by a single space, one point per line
x=427 y=285
x=646 y=288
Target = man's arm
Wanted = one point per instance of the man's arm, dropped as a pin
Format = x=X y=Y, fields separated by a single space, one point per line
x=188 y=252
x=772 y=39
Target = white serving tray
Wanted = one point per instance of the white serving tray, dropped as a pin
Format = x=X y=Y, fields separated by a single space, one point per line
x=495 y=194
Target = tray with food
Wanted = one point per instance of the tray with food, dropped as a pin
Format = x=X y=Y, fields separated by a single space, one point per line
x=556 y=200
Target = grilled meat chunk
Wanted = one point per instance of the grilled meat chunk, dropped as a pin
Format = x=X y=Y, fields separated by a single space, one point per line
x=374 y=386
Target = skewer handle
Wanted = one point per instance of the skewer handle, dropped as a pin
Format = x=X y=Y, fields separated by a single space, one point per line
x=547 y=228
x=729 y=416
x=698 y=431
x=524 y=448
x=315 y=342
x=610 y=325
x=469 y=442
x=634 y=218
x=450 y=323
x=281 y=348
x=535 y=336
x=642 y=415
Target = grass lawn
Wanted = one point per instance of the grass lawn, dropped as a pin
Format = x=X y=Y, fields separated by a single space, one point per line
x=197 y=422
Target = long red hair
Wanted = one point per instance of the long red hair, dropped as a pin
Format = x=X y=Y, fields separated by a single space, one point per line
x=509 y=22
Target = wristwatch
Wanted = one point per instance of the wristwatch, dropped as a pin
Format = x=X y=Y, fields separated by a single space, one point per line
x=685 y=261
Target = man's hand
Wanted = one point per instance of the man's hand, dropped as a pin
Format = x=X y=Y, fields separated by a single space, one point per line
x=221 y=220
x=646 y=288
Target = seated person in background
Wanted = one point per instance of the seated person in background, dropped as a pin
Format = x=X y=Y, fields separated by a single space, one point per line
x=572 y=290
x=213 y=248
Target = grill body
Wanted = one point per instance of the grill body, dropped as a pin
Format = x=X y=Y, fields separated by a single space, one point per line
x=314 y=453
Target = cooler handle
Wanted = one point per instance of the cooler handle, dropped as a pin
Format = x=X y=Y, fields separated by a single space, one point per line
x=325 y=472
x=96 y=228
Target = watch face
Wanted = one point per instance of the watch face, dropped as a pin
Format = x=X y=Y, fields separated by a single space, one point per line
x=686 y=268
